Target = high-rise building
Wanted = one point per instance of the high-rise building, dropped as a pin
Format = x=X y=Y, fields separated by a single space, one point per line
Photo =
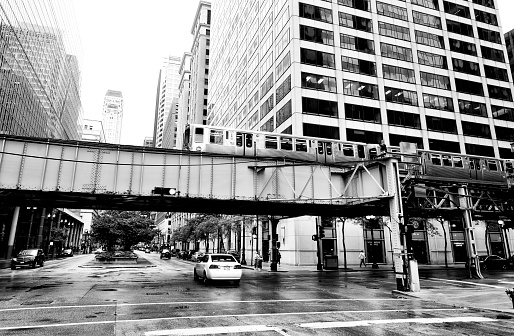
x=183 y=98
x=112 y=116
x=167 y=90
x=509 y=43
x=430 y=72
x=39 y=76
x=169 y=134
x=93 y=130
x=148 y=142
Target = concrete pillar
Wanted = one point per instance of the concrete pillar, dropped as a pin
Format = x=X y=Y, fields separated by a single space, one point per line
x=274 y=247
x=469 y=232
x=414 y=276
x=12 y=233
x=39 y=243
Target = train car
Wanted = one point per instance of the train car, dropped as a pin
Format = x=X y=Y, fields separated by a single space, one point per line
x=214 y=139
x=463 y=167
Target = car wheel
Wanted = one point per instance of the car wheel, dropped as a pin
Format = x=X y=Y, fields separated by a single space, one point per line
x=195 y=276
x=205 y=279
x=13 y=267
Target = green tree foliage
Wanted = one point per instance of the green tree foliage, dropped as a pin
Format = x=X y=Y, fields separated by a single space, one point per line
x=124 y=228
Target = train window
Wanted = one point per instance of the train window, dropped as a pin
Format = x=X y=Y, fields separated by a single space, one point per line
x=436 y=159
x=329 y=148
x=320 y=147
x=474 y=164
x=492 y=165
x=348 y=150
x=249 y=140
x=271 y=142
x=360 y=151
x=216 y=137
x=509 y=167
x=457 y=162
x=301 y=145
x=239 y=139
x=447 y=160
x=198 y=134
x=286 y=144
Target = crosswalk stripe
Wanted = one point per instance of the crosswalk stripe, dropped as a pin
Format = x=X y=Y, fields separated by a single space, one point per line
x=367 y=323
x=211 y=331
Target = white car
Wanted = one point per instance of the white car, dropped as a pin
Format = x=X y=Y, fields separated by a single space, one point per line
x=218 y=266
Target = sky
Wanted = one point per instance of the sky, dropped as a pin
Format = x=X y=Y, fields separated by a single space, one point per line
x=124 y=43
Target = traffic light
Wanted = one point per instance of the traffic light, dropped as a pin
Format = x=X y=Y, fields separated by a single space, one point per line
x=164 y=191
x=321 y=232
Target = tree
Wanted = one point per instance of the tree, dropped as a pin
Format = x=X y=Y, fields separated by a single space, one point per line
x=125 y=228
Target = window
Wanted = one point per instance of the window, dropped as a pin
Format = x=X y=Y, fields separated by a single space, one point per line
x=433 y=60
x=504 y=133
x=437 y=102
x=398 y=118
x=486 y=3
x=358 y=66
x=318 y=82
x=357 y=43
x=432 y=4
x=267 y=106
x=463 y=47
x=489 y=35
x=441 y=125
x=315 y=13
x=392 y=11
x=283 y=65
x=317 y=58
x=284 y=113
x=466 y=86
x=356 y=22
x=436 y=81
x=320 y=131
x=479 y=150
x=426 y=19
x=319 y=107
x=476 y=130
x=396 y=52
x=496 y=73
x=316 y=35
x=466 y=67
x=360 y=89
x=400 y=96
x=502 y=113
x=363 y=113
x=399 y=74
x=459 y=28
x=284 y=88
x=472 y=108
x=269 y=126
x=486 y=17
x=492 y=54
x=394 y=31
x=395 y=139
x=429 y=39
x=357 y=4
x=444 y=146
x=267 y=85
x=458 y=10
x=363 y=136
x=498 y=92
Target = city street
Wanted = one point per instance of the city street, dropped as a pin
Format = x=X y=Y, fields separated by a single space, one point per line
x=74 y=296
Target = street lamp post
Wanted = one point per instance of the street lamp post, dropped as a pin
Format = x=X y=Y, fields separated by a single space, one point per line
x=243 y=254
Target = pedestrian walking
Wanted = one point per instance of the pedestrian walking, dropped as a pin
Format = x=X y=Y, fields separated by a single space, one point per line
x=258 y=261
x=362 y=258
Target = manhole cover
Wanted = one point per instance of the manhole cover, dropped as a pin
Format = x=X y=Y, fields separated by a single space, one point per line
x=31 y=303
x=157 y=293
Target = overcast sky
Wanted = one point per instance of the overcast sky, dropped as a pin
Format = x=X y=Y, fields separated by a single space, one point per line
x=124 y=42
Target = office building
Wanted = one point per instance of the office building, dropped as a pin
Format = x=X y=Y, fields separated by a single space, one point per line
x=93 y=130
x=148 y=141
x=184 y=87
x=112 y=116
x=167 y=90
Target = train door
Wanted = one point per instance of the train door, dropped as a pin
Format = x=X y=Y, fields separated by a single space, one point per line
x=475 y=168
x=325 y=151
x=244 y=143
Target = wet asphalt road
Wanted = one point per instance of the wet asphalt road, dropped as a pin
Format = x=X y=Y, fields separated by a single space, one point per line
x=64 y=299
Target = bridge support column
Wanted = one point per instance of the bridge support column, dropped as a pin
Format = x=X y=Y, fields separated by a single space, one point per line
x=401 y=268
x=12 y=233
x=469 y=233
x=274 y=247
x=39 y=242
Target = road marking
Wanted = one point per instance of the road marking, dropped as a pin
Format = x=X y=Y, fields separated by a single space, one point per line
x=190 y=302
x=213 y=330
x=368 y=323
x=465 y=282
x=210 y=317
x=506 y=282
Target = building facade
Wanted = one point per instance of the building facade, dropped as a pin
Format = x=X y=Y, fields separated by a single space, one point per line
x=183 y=98
x=112 y=116
x=93 y=131
x=430 y=72
x=167 y=90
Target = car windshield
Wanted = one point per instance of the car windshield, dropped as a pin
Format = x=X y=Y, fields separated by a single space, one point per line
x=223 y=258
x=28 y=252
x=165 y=251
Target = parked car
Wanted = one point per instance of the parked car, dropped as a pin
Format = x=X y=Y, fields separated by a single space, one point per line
x=197 y=255
x=218 y=266
x=165 y=253
x=235 y=254
x=29 y=257
x=67 y=253
x=493 y=262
